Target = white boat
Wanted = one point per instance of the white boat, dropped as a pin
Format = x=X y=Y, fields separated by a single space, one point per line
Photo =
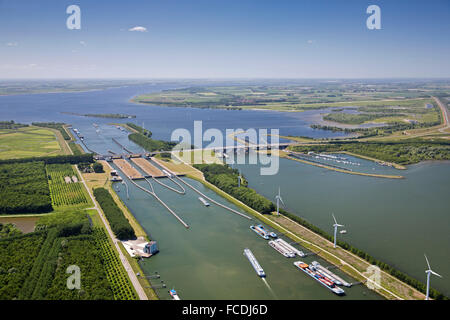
x=206 y=203
x=255 y=264
x=174 y=294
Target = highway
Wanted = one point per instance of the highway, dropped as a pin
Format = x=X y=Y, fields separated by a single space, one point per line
x=444 y=113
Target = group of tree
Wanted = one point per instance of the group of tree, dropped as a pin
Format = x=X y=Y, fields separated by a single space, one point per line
x=139 y=129
x=72 y=159
x=97 y=167
x=118 y=222
x=34 y=265
x=151 y=144
x=226 y=179
x=11 y=125
x=24 y=188
x=8 y=230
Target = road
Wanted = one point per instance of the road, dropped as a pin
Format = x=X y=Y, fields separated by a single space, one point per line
x=134 y=280
x=445 y=113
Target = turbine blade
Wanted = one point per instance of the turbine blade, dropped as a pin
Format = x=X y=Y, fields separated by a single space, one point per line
x=427 y=261
x=436 y=274
x=282 y=202
x=334 y=218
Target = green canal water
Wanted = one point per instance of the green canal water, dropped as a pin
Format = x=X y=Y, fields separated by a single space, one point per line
x=206 y=261
x=394 y=220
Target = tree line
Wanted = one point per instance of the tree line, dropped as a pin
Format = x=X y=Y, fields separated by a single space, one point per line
x=118 y=222
x=151 y=144
x=226 y=178
x=70 y=158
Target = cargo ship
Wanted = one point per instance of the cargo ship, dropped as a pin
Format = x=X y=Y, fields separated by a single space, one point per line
x=326 y=282
x=332 y=276
x=270 y=234
x=206 y=203
x=281 y=249
x=260 y=232
x=288 y=247
x=174 y=294
x=255 y=264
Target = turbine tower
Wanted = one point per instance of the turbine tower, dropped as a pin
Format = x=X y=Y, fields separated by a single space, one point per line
x=335 y=225
x=279 y=199
x=239 y=179
x=429 y=272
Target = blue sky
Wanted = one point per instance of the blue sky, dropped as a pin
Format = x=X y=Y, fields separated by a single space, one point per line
x=224 y=39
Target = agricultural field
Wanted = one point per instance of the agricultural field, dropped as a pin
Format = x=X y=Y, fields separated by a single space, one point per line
x=24 y=188
x=33 y=266
x=419 y=111
x=65 y=188
x=28 y=142
x=115 y=273
x=294 y=96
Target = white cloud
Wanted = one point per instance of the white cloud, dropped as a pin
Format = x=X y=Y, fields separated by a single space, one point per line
x=83 y=43
x=310 y=41
x=138 y=29
x=12 y=44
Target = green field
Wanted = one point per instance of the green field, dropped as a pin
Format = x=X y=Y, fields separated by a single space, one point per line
x=65 y=193
x=288 y=97
x=28 y=142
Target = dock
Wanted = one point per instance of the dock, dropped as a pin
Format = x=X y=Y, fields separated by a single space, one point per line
x=121 y=146
x=128 y=169
x=148 y=168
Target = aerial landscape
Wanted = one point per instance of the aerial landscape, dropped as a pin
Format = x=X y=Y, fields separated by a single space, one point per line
x=133 y=167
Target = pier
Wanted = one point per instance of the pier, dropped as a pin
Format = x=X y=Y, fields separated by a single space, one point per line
x=154 y=195
x=121 y=145
x=214 y=201
x=128 y=169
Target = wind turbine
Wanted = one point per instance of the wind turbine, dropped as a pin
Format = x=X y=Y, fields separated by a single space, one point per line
x=429 y=272
x=335 y=225
x=279 y=199
x=239 y=179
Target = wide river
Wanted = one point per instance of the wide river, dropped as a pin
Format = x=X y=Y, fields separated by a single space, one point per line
x=394 y=220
